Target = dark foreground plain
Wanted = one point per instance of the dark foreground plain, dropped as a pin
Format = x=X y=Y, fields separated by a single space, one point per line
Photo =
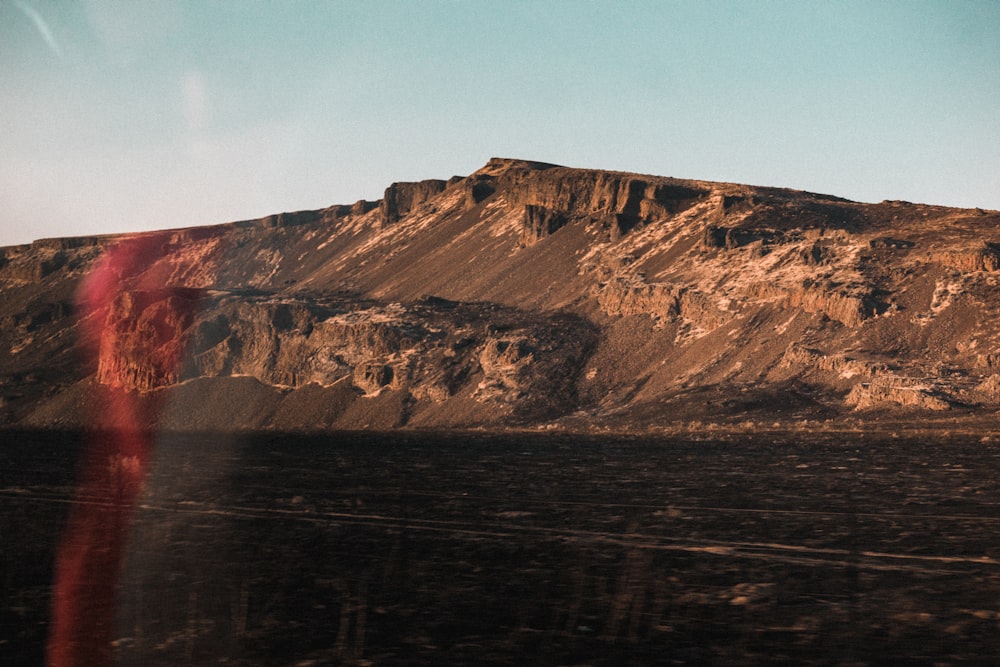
x=421 y=549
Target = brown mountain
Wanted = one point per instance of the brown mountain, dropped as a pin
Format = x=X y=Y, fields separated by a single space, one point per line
x=522 y=295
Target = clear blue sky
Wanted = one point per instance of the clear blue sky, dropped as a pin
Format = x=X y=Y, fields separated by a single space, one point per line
x=129 y=115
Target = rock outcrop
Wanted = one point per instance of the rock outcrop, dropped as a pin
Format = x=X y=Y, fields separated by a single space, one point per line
x=524 y=294
x=983 y=256
x=539 y=222
x=401 y=198
x=891 y=389
x=142 y=342
x=632 y=295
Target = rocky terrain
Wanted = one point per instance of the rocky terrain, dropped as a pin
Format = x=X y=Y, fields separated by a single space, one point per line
x=524 y=295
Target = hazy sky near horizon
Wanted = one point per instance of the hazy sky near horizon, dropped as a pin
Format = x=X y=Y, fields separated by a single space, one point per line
x=126 y=116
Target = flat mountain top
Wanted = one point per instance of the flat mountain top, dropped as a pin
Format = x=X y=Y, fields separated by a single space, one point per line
x=524 y=295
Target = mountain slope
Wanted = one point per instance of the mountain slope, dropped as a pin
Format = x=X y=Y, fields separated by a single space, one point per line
x=523 y=294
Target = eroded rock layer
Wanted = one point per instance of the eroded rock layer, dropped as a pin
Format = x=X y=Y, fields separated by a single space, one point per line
x=524 y=294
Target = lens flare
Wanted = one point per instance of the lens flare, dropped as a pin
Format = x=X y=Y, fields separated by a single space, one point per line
x=132 y=327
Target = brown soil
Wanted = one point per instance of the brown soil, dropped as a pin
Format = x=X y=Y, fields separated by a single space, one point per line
x=410 y=549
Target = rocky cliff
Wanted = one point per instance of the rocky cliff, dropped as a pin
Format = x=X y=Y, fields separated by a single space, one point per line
x=527 y=295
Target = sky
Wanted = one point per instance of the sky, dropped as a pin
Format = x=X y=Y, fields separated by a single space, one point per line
x=127 y=116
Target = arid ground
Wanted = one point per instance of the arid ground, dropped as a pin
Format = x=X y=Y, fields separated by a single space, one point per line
x=466 y=548
x=526 y=295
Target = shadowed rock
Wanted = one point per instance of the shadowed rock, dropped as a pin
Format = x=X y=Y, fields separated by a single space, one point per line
x=401 y=198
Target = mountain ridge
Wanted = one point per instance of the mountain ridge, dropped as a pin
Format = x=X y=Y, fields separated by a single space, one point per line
x=525 y=294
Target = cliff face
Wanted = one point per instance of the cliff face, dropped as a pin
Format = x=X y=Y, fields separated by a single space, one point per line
x=524 y=294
